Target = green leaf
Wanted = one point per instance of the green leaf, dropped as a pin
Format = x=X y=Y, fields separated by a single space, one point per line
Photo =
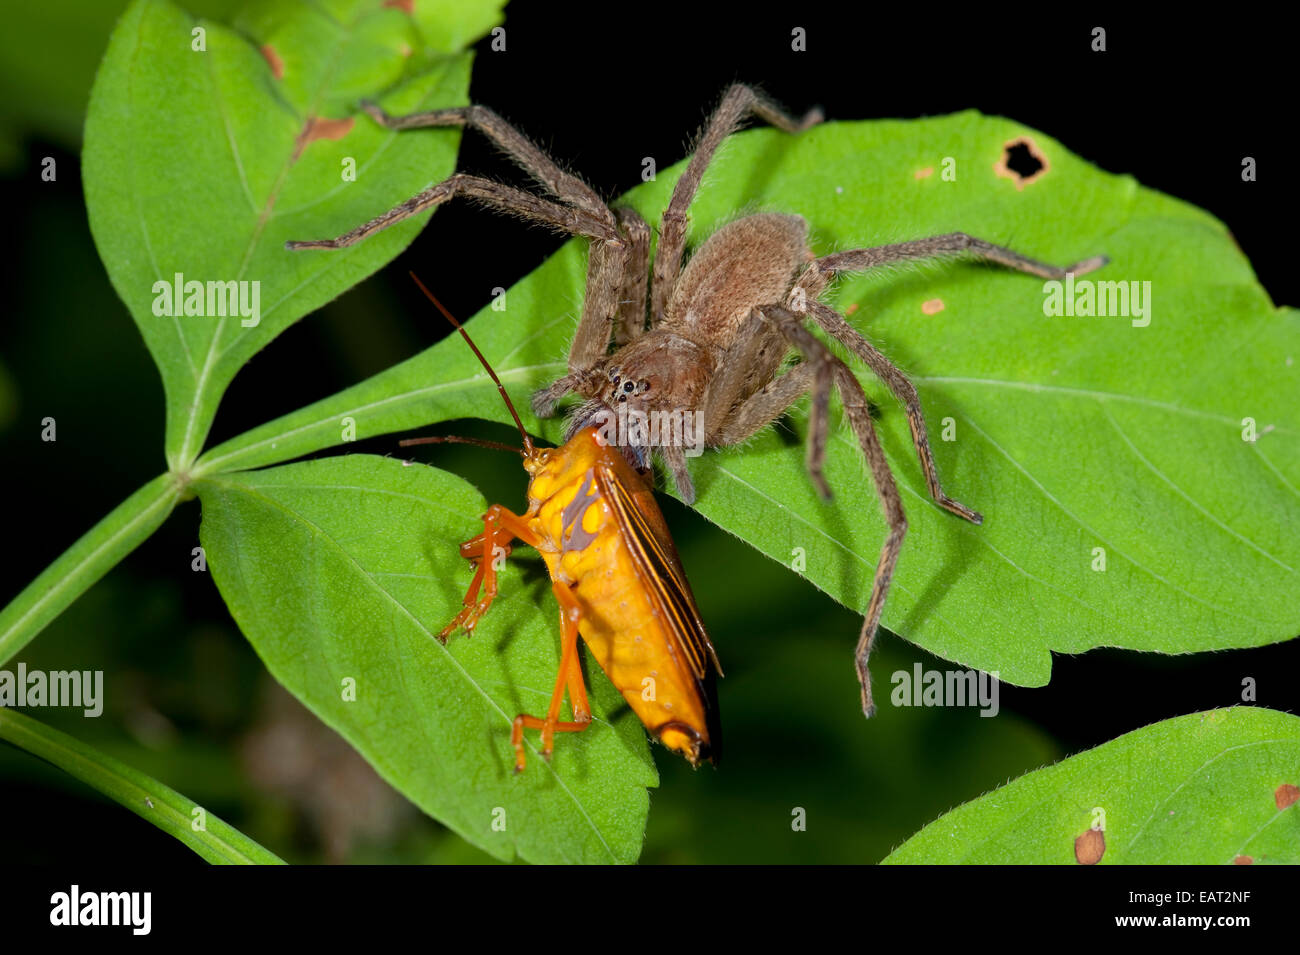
x=1071 y=434
x=149 y=799
x=200 y=163
x=450 y=25
x=1200 y=789
x=341 y=571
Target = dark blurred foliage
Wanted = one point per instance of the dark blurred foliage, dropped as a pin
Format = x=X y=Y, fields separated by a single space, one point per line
x=187 y=699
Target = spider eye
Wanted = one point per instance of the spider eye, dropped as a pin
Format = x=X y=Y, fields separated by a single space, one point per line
x=628 y=386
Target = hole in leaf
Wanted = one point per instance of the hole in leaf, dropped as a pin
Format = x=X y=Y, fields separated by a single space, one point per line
x=1022 y=162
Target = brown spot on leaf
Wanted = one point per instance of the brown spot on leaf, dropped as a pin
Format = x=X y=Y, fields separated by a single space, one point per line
x=932 y=306
x=1022 y=162
x=1089 y=847
x=318 y=127
x=925 y=173
x=1286 y=795
x=851 y=309
x=1243 y=860
x=406 y=6
x=273 y=58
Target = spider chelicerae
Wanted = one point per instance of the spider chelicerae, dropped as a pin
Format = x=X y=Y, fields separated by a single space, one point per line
x=710 y=338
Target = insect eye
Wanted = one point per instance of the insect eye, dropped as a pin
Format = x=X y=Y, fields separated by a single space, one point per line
x=628 y=386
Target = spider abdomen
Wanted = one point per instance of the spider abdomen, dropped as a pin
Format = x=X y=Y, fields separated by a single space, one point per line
x=747 y=263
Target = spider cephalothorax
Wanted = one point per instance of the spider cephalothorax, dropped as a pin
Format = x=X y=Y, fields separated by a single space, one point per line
x=675 y=366
x=680 y=357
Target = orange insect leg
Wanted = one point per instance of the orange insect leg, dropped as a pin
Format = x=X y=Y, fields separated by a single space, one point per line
x=570 y=675
x=500 y=527
x=578 y=692
x=474 y=548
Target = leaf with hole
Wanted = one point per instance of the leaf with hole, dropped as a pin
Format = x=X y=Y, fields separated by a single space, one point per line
x=1139 y=482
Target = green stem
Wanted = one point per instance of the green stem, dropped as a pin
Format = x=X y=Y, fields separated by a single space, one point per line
x=143 y=795
x=97 y=552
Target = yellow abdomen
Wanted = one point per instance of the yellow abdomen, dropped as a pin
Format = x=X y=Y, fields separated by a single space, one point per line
x=583 y=546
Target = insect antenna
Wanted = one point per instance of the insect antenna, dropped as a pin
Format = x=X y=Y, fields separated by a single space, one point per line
x=456 y=439
x=528 y=442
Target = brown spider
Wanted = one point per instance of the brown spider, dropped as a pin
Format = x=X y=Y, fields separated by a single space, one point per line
x=710 y=338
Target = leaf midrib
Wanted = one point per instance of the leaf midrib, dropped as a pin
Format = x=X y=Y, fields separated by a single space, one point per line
x=187 y=452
